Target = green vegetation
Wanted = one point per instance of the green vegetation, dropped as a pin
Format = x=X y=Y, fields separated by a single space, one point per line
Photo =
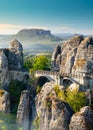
x=8 y=122
x=36 y=123
x=39 y=62
x=28 y=62
x=15 y=89
x=38 y=89
x=74 y=98
x=60 y=94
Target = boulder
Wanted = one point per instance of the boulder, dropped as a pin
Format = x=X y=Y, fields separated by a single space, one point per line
x=82 y=120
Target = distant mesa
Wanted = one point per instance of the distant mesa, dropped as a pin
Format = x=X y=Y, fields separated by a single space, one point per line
x=37 y=34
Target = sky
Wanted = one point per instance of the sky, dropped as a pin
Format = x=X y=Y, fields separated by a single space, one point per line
x=59 y=16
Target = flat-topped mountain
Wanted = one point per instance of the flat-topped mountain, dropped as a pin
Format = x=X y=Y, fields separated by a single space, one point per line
x=32 y=39
x=37 y=34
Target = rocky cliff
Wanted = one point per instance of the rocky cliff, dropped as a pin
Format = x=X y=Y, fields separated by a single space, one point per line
x=54 y=113
x=75 y=59
x=11 y=63
x=76 y=55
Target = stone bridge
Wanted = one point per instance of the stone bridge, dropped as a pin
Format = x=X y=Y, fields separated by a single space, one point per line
x=55 y=76
x=63 y=79
x=51 y=76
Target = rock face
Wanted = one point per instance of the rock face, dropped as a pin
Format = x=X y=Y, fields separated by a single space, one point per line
x=11 y=64
x=56 y=58
x=3 y=66
x=15 y=56
x=4 y=101
x=54 y=113
x=23 y=110
x=12 y=58
x=76 y=59
x=82 y=120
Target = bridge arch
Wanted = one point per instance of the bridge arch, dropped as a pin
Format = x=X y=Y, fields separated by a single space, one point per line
x=41 y=80
x=67 y=81
x=50 y=75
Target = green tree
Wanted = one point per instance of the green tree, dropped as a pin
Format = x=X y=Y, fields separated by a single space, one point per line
x=41 y=63
x=74 y=98
x=28 y=62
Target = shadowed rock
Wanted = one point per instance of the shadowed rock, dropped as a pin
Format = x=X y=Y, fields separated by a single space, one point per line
x=82 y=120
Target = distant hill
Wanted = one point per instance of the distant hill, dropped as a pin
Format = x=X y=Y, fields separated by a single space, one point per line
x=35 y=35
x=64 y=36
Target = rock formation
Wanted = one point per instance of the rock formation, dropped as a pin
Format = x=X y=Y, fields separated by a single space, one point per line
x=3 y=67
x=82 y=120
x=36 y=35
x=54 y=114
x=76 y=59
x=11 y=63
x=23 y=110
x=56 y=58
x=4 y=101
x=15 y=56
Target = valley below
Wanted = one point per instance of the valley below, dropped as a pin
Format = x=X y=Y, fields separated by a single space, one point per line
x=47 y=83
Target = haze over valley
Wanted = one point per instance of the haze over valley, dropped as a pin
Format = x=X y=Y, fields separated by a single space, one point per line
x=35 y=40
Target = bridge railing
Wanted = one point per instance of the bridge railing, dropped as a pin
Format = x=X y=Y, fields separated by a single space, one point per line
x=78 y=75
x=47 y=72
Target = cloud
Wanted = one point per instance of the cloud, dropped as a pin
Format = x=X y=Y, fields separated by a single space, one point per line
x=12 y=29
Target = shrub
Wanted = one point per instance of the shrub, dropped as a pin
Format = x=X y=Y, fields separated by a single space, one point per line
x=36 y=123
x=74 y=98
x=60 y=93
x=41 y=63
x=8 y=122
x=38 y=89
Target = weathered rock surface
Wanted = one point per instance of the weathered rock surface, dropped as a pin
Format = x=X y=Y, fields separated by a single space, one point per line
x=3 y=67
x=15 y=56
x=11 y=64
x=76 y=59
x=54 y=113
x=12 y=57
x=23 y=110
x=4 y=101
x=82 y=120
x=3 y=61
x=56 y=58
x=76 y=55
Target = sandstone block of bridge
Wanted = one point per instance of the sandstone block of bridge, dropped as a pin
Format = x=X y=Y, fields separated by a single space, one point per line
x=50 y=75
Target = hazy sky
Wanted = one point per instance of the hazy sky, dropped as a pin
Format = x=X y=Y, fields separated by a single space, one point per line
x=75 y=16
